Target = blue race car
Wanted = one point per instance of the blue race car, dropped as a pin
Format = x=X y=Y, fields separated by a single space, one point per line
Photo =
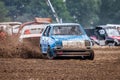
x=65 y=39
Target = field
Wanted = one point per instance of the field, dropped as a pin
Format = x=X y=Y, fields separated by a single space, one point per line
x=20 y=63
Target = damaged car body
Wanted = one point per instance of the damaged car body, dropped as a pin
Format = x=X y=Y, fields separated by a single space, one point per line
x=65 y=39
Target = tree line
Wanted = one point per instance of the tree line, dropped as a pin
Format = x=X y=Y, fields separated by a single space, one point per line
x=86 y=12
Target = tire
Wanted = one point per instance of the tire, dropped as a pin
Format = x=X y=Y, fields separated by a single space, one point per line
x=112 y=44
x=40 y=47
x=44 y=56
x=91 y=56
x=115 y=44
x=49 y=54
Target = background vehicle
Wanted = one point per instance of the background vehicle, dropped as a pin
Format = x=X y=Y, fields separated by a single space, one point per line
x=117 y=26
x=65 y=39
x=11 y=28
x=106 y=35
x=31 y=31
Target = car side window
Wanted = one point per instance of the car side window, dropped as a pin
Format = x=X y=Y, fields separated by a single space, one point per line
x=44 y=33
x=47 y=31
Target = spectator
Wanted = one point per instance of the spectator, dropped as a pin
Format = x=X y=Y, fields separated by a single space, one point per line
x=2 y=33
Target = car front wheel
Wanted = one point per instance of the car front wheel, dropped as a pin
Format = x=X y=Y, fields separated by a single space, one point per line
x=50 y=55
x=91 y=56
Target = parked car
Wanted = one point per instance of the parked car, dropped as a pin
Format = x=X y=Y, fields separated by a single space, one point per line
x=11 y=28
x=65 y=39
x=106 y=35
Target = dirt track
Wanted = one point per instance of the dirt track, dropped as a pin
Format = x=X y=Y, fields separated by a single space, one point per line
x=14 y=66
x=106 y=66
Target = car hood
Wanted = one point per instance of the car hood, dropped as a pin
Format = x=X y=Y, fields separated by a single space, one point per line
x=70 y=37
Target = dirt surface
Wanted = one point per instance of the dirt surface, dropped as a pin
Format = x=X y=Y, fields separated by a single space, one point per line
x=21 y=62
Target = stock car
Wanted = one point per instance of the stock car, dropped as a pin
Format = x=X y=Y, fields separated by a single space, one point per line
x=105 y=35
x=31 y=33
x=65 y=39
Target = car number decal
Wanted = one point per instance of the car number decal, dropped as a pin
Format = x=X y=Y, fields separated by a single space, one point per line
x=73 y=44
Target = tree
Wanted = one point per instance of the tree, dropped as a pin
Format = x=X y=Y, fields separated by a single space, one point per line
x=3 y=12
x=110 y=12
x=84 y=11
x=61 y=10
x=16 y=7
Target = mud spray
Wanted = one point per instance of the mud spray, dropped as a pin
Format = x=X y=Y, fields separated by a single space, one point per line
x=10 y=47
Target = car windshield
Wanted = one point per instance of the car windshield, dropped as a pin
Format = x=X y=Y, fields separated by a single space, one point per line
x=66 y=30
x=112 y=32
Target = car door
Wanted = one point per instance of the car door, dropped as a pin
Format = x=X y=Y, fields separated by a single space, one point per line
x=45 y=39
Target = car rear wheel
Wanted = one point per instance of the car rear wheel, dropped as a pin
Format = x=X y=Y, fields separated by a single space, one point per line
x=91 y=56
x=50 y=55
x=111 y=44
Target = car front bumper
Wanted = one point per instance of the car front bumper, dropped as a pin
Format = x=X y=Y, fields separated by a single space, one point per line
x=72 y=52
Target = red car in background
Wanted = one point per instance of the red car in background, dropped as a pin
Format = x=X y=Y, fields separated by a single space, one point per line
x=104 y=35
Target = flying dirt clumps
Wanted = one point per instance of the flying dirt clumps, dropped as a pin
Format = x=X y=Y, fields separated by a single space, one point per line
x=10 y=47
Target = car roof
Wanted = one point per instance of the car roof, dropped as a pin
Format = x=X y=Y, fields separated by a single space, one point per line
x=114 y=25
x=35 y=26
x=61 y=24
x=107 y=25
x=102 y=26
